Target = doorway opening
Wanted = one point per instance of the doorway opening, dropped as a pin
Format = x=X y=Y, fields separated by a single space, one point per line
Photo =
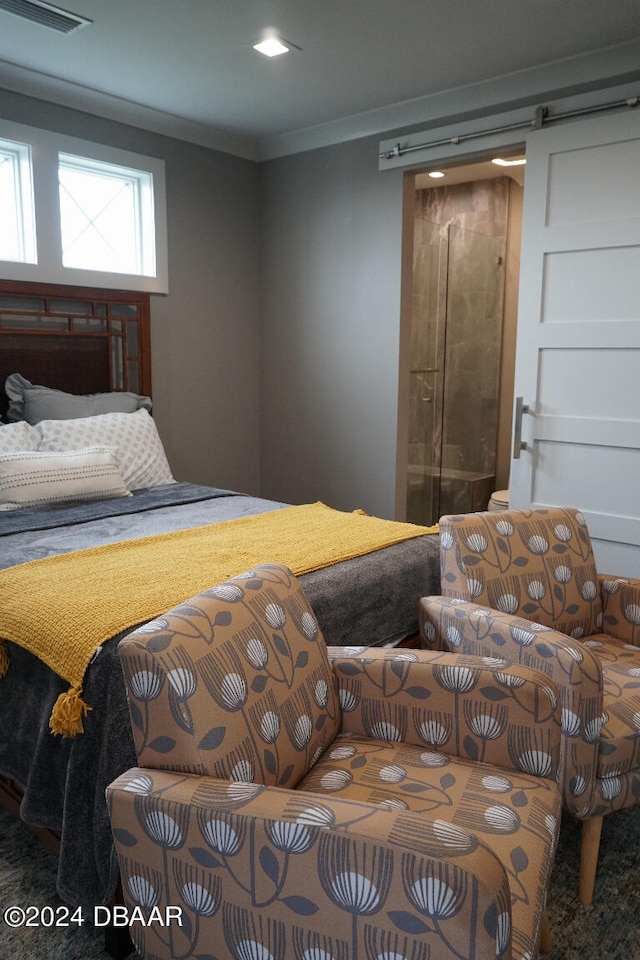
x=464 y=269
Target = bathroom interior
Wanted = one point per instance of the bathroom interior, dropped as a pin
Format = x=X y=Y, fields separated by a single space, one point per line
x=464 y=288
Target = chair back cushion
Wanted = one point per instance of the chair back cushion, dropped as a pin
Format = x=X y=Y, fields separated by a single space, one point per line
x=234 y=683
x=536 y=564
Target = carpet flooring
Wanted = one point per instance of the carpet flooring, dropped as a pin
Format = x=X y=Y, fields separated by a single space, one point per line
x=609 y=929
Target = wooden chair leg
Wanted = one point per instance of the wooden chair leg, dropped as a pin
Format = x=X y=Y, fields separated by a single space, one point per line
x=546 y=940
x=590 y=844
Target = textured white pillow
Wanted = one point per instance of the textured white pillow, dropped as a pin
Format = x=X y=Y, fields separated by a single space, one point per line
x=18 y=436
x=140 y=452
x=32 y=478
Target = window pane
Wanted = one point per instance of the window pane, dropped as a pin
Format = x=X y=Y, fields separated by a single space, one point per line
x=107 y=220
x=17 y=224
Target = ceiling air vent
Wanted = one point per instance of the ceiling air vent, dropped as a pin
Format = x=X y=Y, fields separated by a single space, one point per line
x=45 y=14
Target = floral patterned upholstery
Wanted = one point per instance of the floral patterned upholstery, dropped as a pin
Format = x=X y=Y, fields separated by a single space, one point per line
x=523 y=584
x=237 y=704
x=304 y=803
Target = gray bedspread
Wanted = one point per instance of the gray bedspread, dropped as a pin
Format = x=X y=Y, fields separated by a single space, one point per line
x=371 y=600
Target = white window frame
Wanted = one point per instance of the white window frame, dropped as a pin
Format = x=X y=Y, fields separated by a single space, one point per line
x=140 y=183
x=18 y=155
x=45 y=148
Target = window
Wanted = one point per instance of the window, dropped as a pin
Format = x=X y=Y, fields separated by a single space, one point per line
x=18 y=233
x=99 y=218
x=106 y=216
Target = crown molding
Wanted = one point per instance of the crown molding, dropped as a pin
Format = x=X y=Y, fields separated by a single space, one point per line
x=608 y=66
x=595 y=70
x=41 y=86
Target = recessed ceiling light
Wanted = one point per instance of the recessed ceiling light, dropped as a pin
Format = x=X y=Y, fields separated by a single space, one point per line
x=436 y=174
x=517 y=162
x=271 y=47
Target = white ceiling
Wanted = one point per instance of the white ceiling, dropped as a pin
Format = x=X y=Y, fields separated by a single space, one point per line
x=193 y=59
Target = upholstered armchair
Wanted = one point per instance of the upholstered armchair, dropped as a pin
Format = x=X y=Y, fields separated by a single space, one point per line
x=294 y=802
x=523 y=584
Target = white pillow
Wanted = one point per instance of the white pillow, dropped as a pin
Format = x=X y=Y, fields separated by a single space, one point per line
x=18 y=436
x=33 y=478
x=140 y=452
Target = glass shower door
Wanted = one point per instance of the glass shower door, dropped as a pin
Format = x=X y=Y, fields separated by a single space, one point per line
x=425 y=391
x=456 y=342
x=471 y=381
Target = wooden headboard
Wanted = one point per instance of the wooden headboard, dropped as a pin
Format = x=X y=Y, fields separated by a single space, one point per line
x=81 y=340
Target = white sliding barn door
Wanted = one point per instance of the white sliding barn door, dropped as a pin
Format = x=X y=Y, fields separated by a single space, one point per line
x=578 y=349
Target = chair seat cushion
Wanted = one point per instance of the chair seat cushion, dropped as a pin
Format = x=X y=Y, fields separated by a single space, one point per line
x=513 y=814
x=620 y=733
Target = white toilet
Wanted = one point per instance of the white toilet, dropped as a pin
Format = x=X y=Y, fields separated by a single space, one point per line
x=499 y=501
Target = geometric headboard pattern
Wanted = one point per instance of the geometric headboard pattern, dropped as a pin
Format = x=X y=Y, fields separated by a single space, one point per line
x=81 y=340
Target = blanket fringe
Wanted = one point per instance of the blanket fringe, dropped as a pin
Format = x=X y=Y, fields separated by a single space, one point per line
x=4 y=658
x=68 y=712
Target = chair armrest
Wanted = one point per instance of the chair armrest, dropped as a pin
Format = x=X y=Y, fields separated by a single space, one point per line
x=300 y=873
x=575 y=670
x=350 y=651
x=621 y=607
x=484 y=710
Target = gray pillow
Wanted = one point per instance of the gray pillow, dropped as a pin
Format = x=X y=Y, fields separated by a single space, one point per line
x=31 y=402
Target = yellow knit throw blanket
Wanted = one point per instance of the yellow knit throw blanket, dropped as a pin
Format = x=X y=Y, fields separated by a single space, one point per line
x=62 y=608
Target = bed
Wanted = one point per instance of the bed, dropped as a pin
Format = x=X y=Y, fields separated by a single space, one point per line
x=96 y=343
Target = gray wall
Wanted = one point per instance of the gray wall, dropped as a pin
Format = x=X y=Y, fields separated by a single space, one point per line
x=205 y=333
x=332 y=230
